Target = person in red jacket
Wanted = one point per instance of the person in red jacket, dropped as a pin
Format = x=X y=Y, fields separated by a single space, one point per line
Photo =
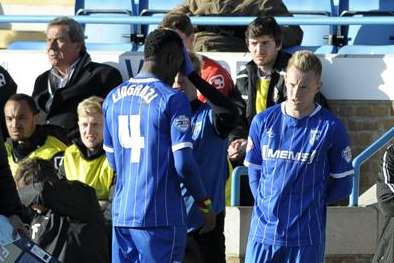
x=211 y=71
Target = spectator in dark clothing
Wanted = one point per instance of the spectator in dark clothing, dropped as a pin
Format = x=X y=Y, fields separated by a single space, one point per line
x=10 y=204
x=231 y=38
x=67 y=221
x=72 y=78
x=7 y=88
x=385 y=195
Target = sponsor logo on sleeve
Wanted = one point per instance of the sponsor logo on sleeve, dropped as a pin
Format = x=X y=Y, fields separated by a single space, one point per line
x=182 y=123
x=347 y=154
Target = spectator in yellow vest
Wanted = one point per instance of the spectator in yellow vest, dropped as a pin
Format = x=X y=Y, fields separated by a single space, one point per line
x=27 y=138
x=85 y=159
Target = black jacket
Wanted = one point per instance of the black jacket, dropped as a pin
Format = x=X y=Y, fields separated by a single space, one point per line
x=9 y=199
x=246 y=85
x=385 y=195
x=72 y=229
x=88 y=79
x=7 y=88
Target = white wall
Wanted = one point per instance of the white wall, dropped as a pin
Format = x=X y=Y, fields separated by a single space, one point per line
x=368 y=77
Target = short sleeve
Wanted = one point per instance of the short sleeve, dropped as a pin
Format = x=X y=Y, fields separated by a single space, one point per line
x=180 y=116
x=340 y=155
x=253 y=149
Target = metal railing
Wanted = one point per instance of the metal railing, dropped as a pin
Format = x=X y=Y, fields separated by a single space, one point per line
x=204 y=20
x=361 y=158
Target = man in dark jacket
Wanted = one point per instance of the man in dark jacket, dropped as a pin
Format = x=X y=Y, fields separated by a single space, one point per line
x=67 y=221
x=232 y=38
x=385 y=194
x=10 y=204
x=73 y=76
x=7 y=88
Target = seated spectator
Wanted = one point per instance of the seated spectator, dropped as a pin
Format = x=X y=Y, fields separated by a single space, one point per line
x=72 y=78
x=231 y=38
x=67 y=221
x=85 y=159
x=27 y=138
x=211 y=123
x=7 y=88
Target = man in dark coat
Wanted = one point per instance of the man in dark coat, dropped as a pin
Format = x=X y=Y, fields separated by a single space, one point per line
x=385 y=194
x=67 y=221
x=73 y=76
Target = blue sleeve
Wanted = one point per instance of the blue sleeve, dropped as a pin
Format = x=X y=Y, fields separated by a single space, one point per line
x=180 y=119
x=107 y=138
x=340 y=182
x=253 y=149
x=187 y=169
x=254 y=179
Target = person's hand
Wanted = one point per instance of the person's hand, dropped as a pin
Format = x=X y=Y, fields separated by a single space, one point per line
x=236 y=149
x=19 y=227
x=187 y=67
x=209 y=216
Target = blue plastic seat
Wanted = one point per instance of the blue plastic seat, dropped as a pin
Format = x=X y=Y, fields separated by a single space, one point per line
x=110 y=34
x=314 y=35
x=369 y=34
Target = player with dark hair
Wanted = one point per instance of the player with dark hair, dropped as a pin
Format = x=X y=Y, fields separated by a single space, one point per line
x=299 y=161
x=147 y=139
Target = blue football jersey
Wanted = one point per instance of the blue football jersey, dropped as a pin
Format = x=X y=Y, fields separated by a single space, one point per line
x=295 y=157
x=145 y=122
x=210 y=152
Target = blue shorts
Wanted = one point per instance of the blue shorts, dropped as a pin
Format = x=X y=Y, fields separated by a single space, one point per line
x=262 y=253
x=148 y=245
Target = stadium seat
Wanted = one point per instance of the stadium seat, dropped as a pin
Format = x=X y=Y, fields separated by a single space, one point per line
x=313 y=35
x=108 y=36
x=368 y=34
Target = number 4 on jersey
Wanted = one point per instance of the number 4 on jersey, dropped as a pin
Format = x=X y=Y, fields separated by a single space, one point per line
x=130 y=135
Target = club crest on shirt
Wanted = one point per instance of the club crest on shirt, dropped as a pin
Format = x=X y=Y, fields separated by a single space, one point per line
x=270 y=133
x=182 y=123
x=313 y=136
x=347 y=154
x=196 y=129
x=249 y=145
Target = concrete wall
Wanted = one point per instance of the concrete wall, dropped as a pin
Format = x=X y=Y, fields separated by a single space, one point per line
x=351 y=233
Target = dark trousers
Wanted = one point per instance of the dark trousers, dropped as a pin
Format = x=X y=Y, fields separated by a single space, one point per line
x=208 y=247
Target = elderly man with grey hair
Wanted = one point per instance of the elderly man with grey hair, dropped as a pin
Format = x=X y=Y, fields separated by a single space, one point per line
x=72 y=78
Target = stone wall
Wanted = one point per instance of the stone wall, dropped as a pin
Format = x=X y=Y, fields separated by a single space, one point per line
x=366 y=121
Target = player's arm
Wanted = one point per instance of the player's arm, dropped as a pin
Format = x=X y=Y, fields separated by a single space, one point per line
x=385 y=183
x=339 y=185
x=225 y=117
x=107 y=138
x=253 y=158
